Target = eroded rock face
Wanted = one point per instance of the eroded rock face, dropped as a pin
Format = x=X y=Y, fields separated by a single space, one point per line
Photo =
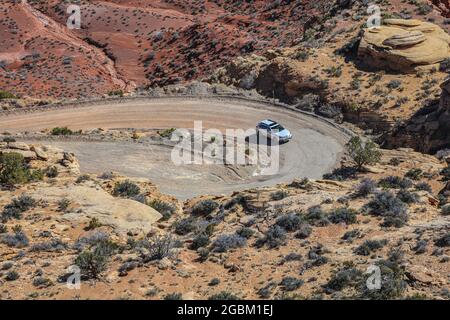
x=429 y=129
x=404 y=45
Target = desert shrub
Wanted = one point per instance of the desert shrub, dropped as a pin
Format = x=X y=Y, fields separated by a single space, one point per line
x=166 y=209
x=186 y=226
x=343 y=278
x=394 y=84
x=8 y=139
x=116 y=93
x=214 y=282
x=366 y=187
x=90 y=240
x=341 y=174
x=18 y=239
x=424 y=186
x=126 y=267
x=395 y=182
x=126 y=189
x=41 y=282
x=204 y=207
x=388 y=206
x=445 y=173
x=245 y=232
x=346 y=215
x=393 y=284
x=363 y=153
x=94 y=223
x=226 y=242
x=92 y=263
x=200 y=240
x=316 y=216
x=173 y=296
x=304 y=231
x=351 y=235
x=6 y=266
x=274 y=237
x=407 y=196
x=61 y=131
x=445 y=210
x=414 y=174
x=83 y=178
x=279 y=195
x=369 y=246
x=158 y=248
x=6 y=95
x=17 y=207
x=291 y=283
x=420 y=247
x=51 y=172
x=224 y=295
x=443 y=241
x=316 y=255
x=63 y=204
x=167 y=133
x=3 y=228
x=289 y=222
x=49 y=246
x=12 y=275
x=203 y=254
x=13 y=169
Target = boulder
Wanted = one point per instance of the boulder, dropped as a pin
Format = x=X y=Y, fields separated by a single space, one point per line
x=404 y=45
x=18 y=146
x=41 y=154
x=28 y=155
x=121 y=214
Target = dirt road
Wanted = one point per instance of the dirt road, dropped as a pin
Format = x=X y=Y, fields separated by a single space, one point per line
x=315 y=149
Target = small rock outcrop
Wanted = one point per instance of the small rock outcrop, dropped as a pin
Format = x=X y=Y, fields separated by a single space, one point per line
x=404 y=45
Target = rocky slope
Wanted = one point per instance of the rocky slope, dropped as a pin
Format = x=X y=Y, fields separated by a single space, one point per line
x=309 y=239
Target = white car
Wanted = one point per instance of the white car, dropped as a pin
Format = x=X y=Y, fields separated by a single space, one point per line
x=274 y=131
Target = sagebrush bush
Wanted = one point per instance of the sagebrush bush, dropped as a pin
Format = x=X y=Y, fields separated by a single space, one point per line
x=289 y=222
x=126 y=189
x=166 y=209
x=414 y=174
x=343 y=278
x=200 y=240
x=158 y=248
x=245 y=232
x=424 y=186
x=291 y=283
x=388 y=206
x=395 y=182
x=49 y=246
x=92 y=263
x=225 y=242
x=12 y=275
x=224 y=295
x=204 y=207
x=17 y=207
x=346 y=215
x=446 y=210
x=186 y=226
x=317 y=217
x=279 y=195
x=407 y=196
x=6 y=95
x=369 y=246
x=51 y=172
x=18 y=239
x=304 y=231
x=443 y=241
x=274 y=237
x=366 y=187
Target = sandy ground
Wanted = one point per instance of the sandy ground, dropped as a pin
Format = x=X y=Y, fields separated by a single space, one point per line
x=314 y=150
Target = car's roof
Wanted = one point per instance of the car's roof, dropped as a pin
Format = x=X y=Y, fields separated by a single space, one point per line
x=268 y=122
